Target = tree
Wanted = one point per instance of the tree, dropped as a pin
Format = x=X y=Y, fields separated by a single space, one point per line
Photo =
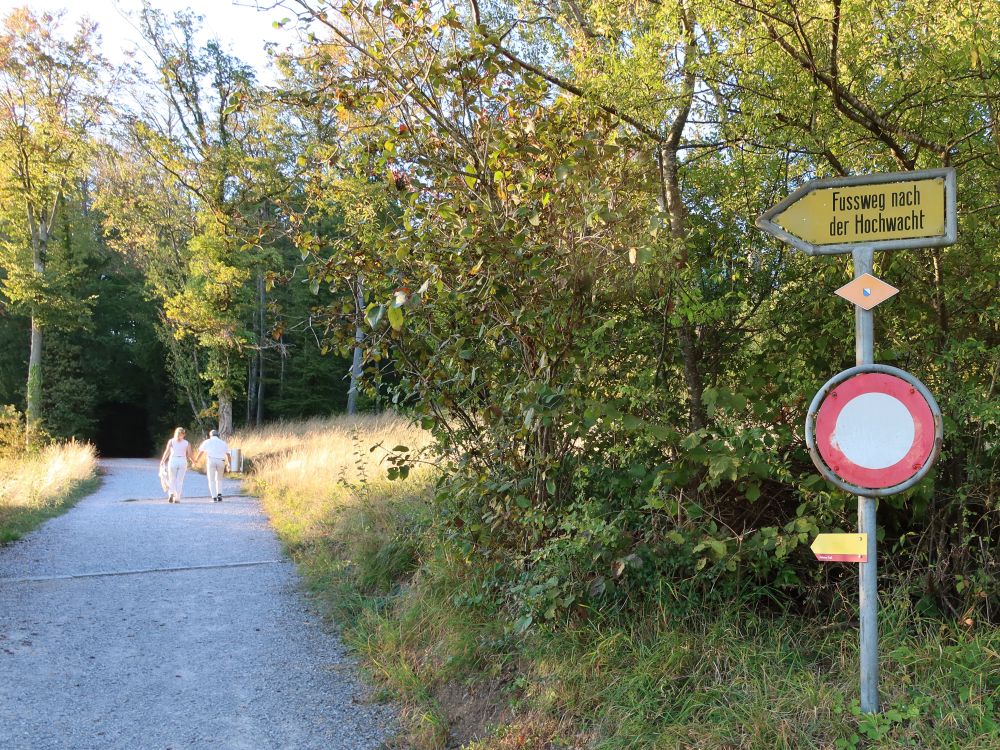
x=205 y=139
x=51 y=100
x=149 y=220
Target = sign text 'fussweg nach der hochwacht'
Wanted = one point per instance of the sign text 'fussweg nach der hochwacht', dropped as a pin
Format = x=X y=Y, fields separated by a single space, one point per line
x=886 y=211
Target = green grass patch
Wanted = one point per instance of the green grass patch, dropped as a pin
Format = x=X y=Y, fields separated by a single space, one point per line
x=736 y=679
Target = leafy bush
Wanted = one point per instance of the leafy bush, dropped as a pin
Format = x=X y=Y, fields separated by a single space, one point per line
x=614 y=363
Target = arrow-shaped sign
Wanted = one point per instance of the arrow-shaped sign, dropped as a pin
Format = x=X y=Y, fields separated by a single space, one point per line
x=883 y=211
x=841 y=548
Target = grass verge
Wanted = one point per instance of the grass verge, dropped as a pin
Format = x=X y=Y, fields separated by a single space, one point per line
x=38 y=486
x=434 y=639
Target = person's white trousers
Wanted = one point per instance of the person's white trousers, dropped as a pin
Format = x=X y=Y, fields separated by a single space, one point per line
x=214 y=469
x=176 y=470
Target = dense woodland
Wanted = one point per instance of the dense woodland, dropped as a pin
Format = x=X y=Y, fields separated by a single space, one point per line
x=535 y=221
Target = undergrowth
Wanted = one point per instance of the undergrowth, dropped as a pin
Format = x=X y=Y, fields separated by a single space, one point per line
x=664 y=675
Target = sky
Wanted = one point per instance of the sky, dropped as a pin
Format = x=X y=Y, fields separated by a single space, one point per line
x=241 y=27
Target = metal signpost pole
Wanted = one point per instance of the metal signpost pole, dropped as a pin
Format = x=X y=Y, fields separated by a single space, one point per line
x=864 y=327
x=887 y=448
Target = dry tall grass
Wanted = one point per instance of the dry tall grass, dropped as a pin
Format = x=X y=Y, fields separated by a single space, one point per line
x=304 y=471
x=354 y=533
x=36 y=486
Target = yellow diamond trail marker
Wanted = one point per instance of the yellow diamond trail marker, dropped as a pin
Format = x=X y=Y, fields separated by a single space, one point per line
x=866 y=291
x=891 y=211
x=841 y=548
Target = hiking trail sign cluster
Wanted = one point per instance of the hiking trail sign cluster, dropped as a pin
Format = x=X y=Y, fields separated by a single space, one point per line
x=872 y=430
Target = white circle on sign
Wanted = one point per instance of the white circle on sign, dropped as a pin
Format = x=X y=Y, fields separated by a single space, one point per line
x=874 y=430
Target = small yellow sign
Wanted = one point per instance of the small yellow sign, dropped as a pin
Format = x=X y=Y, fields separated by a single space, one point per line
x=841 y=548
x=868 y=213
x=866 y=291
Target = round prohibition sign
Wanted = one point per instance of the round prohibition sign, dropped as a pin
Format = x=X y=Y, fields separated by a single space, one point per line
x=874 y=430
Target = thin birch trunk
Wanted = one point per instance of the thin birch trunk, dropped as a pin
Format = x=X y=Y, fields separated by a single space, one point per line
x=33 y=392
x=251 y=388
x=261 y=331
x=359 y=337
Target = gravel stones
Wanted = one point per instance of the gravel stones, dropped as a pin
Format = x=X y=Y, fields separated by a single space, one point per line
x=125 y=624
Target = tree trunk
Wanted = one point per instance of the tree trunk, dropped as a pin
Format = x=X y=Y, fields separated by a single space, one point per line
x=940 y=306
x=33 y=411
x=225 y=416
x=359 y=337
x=673 y=201
x=33 y=393
x=281 y=376
x=261 y=332
x=686 y=335
x=258 y=415
x=251 y=389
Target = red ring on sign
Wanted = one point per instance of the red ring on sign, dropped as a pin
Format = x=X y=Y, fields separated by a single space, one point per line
x=862 y=476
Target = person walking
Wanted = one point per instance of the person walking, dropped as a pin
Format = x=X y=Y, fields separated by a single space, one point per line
x=217 y=453
x=176 y=457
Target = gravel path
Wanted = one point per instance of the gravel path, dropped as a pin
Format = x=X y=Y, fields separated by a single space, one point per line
x=132 y=623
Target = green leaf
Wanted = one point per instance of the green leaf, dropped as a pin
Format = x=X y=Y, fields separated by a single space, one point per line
x=717 y=546
x=631 y=422
x=396 y=317
x=374 y=314
x=722 y=466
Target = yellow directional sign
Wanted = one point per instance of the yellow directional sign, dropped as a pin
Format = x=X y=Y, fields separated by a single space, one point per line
x=841 y=548
x=884 y=211
x=891 y=211
x=866 y=291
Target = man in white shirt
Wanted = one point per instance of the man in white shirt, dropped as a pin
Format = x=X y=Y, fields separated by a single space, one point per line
x=217 y=452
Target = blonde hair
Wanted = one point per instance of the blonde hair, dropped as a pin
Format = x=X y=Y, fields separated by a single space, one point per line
x=179 y=432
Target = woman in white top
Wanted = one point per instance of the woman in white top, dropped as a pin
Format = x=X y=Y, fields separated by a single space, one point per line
x=176 y=457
